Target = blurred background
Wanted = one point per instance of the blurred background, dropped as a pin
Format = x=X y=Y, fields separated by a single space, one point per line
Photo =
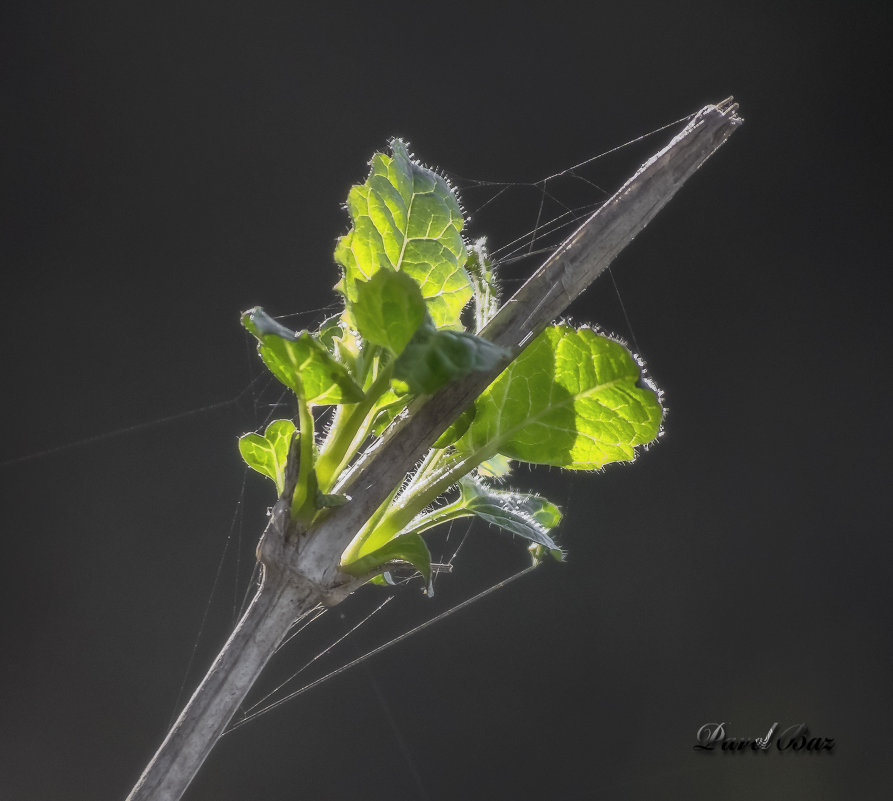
x=169 y=165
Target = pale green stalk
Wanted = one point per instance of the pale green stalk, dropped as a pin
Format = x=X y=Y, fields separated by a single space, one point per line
x=303 y=504
x=350 y=430
x=424 y=495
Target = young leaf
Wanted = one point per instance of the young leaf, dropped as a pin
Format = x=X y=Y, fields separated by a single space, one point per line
x=279 y=434
x=436 y=357
x=301 y=362
x=528 y=516
x=406 y=218
x=341 y=341
x=571 y=399
x=267 y=454
x=330 y=330
x=388 y=310
x=407 y=548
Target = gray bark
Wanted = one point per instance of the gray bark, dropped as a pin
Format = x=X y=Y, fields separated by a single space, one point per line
x=301 y=571
x=283 y=597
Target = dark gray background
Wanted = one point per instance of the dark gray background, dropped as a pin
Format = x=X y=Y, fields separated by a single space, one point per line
x=168 y=165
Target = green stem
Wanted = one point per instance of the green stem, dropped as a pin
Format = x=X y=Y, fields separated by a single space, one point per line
x=352 y=552
x=452 y=511
x=341 y=444
x=421 y=496
x=429 y=464
x=303 y=504
x=370 y=530
x=344 y=415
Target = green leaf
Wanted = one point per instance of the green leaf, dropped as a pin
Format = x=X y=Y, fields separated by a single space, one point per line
x=340 y=340
x=409 y=548
x=267 y=454
x=301 y=362
x=259 y=456
x=528 y=516
x=571 y=399
x=279 y=434
x=330 y=331
x=388 y=310
x=497 y=466
x=406 y=218
x=437 y=356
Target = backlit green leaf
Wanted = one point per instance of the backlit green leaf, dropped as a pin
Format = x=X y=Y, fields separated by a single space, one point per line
x=571 y=399
x=340 y=339
x=301 y=362
x=436 y=357
x=528 y=516
x=267 y=454
x=279 y=434
x=497 y=466
x=388 y=310
x=406 y=217
x=330 y=331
